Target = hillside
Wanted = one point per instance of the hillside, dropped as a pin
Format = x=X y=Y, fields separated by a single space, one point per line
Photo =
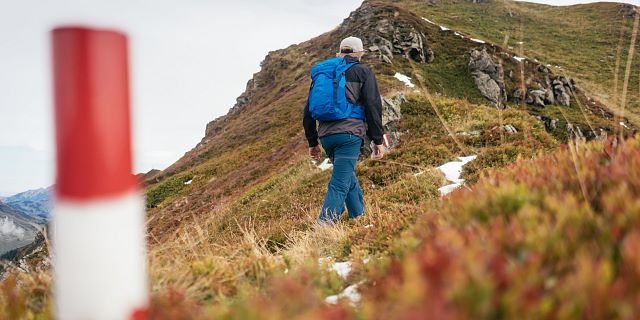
x=257 y=139
x=249 y=178
x=549 y=201
x=588 y=42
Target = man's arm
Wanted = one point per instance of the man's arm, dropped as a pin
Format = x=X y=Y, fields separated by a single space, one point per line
x=370 y=97
x=309 y=125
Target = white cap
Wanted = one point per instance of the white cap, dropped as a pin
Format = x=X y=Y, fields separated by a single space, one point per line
x=352 y=42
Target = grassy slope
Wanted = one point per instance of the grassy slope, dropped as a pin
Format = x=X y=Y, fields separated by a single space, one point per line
x=582 y=39
x=554 y=237
x=227 y=238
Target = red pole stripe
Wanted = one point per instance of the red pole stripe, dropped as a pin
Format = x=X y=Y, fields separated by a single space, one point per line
x=92 y=113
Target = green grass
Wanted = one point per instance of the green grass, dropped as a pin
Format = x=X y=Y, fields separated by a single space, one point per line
x=240 y=240
x=582 y=39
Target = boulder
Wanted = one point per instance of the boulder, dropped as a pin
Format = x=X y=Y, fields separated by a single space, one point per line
x=391 y=115
x=550 y=90
x=510 y=129
x=562 y=97
x=488 y=76
x=536 y=97
x=517 y=96
x=549 y=98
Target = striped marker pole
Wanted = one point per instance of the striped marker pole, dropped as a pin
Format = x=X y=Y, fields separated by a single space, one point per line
x=98 y=215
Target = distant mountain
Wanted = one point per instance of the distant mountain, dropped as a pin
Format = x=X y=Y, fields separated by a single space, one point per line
x=34 y=203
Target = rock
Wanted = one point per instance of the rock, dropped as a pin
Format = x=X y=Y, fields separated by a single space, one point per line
x=510 y=129
x=549 y=124
x=518 y=96
x=542 y=68
x=627 y=11
x=411 y=45
x=574 y=132
x=560 y=93
x=386 y=35
x=536 y=97
x=553 y=90
x=488 y=76
x=391 y=115
x=548 y=97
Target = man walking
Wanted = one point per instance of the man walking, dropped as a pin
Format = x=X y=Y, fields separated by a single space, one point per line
x=345 y=100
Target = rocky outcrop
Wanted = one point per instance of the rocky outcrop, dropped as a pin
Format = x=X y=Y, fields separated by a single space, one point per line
x=386 y=36
x=563 y=89
x=547 y=90
x=489 y=77
x=391 y=115
x=627 y=11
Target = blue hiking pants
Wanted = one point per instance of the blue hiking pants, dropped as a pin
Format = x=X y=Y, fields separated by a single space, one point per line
x=343 y=149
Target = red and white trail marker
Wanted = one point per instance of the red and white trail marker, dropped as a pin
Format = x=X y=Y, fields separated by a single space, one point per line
x=98 y=215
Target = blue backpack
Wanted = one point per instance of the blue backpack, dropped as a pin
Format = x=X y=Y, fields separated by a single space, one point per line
x=327 y=98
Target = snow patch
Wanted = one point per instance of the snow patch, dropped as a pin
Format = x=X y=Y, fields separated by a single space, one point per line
x=519 y=59
x=325 y=165
x=189 y=182
x=427 y=20
x=443 y=28
x=405 y=79
x=350 y=292
x=623 y=124
x=342 y=268
x=449 y=188
x=477 y=40
x=452 y=171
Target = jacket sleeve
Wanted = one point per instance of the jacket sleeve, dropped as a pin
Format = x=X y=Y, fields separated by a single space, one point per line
x=309 y=124
x=370 y=97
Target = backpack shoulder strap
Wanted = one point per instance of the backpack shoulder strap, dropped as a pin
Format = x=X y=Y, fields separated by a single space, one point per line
x=344 y=66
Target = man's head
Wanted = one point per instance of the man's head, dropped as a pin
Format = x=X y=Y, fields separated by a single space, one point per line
x=351 y=46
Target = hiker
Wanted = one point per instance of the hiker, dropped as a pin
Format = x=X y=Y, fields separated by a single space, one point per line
x=345 y=100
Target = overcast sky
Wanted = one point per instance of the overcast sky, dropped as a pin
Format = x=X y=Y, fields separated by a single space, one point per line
x=190 y=60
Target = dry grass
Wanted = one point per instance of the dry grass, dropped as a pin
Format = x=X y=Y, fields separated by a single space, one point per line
x=241 y=240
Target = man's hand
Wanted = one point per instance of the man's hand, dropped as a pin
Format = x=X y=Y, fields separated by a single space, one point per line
x=315 y=152
x=378 y=152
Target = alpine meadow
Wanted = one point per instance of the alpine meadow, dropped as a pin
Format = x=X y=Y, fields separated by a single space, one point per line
x=540 y=107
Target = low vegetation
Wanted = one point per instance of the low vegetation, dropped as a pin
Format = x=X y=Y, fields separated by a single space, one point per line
x=545 y=226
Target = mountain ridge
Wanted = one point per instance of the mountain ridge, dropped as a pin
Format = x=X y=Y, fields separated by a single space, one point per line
x=544 y=223
x=277 y=92
x=36 y=203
